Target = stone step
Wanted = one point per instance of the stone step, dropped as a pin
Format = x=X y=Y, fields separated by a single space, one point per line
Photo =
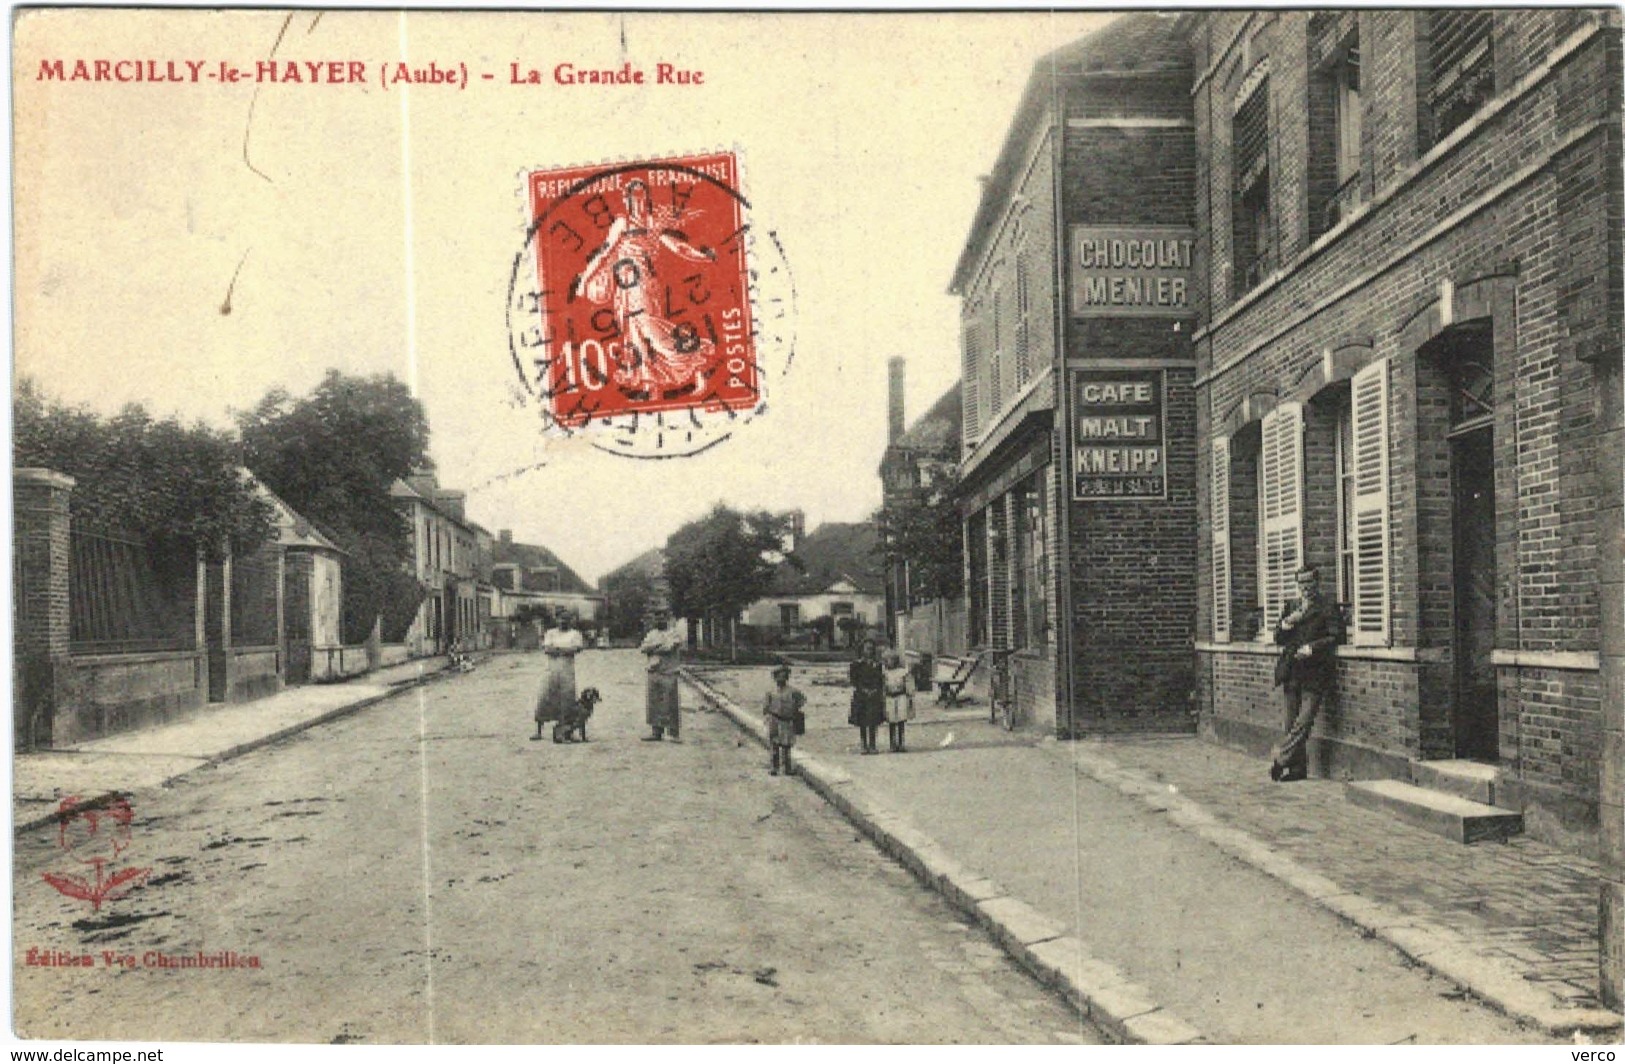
x=1472 y=780
x=1448 y=815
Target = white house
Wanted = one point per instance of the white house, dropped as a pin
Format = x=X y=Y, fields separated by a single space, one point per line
x=840 y=574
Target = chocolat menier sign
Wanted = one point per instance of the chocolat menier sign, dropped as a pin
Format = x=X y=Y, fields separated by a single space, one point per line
x=1139 y=271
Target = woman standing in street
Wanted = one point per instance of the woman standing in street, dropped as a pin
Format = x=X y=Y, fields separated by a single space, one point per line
x=661 y=705
x=561 y=644
x=868 y=679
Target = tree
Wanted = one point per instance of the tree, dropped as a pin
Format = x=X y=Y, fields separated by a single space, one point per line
x=333 y=456
x=534 y=611
x=723 y=562
x=628 y=594
x=920 y=526
x=181 y=488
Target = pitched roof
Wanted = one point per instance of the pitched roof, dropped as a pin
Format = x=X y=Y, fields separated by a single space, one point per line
x=832 y=552
x=1139 y=44
x=402 y=490
x=651 y=562
x=532 y=556
x=938 y=425
x=293 y=528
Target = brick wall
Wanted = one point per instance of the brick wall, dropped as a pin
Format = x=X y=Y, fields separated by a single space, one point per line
x=1133 y=567
x=1371 y=719
x=40 y=616
x=1558 y=721
x=1512 y=224
x=1035 y=690
x=1130 y=176
x=1132 y=564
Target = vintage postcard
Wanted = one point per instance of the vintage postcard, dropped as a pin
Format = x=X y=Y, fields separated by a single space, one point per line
x=1055 y=527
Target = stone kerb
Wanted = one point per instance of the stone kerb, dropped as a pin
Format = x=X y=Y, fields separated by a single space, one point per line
x=1122 y=1009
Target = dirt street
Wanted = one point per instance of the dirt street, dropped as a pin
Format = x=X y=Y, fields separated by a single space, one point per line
x=421 y=872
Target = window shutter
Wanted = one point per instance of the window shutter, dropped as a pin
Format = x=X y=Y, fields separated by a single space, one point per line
x=1024 y=367
x=1219 y=507
x=1281 y=476
x=993 y=384
x=1251 y=137
x=992 y=401
x=1370 y=425
x=971 y=406
x=1009 y=367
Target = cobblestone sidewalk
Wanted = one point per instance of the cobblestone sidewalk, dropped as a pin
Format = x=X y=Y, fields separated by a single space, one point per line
x=1154 y=888
x=1521 y=899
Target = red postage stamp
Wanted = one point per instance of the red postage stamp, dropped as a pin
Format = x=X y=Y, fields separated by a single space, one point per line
x=643 y=290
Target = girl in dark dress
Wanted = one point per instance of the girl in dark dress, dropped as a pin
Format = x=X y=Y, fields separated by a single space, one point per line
x=868 y=678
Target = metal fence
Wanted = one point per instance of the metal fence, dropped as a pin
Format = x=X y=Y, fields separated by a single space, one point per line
x=124 y=597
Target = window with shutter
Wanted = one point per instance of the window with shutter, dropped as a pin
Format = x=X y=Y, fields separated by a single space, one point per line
x=992 y=393
x=1370 y=432
x=1219 y=507
x=971 y=404
x=1335 y=119
x=1009 y=367
x=977 y=590
x=1461 y=65
x=1024 y=366
x=1252 y=225
x=1280 y=511
x=1252 y=127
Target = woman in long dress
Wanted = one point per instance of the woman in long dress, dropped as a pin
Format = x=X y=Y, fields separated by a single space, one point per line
x=561 y=644
x=661 y=707
x=868 y=678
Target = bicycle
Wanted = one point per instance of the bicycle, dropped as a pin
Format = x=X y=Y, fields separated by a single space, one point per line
x=1002 y=692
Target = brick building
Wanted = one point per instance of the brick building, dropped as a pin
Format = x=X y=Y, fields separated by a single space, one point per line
x=1398 y=359
x=1411 y=224
x=1078 y=472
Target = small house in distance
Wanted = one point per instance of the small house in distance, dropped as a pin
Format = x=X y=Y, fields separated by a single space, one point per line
x=839 y=577
x=529 y=575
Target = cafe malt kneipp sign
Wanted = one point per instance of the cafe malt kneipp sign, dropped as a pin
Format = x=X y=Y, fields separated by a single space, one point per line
x=1119 y=449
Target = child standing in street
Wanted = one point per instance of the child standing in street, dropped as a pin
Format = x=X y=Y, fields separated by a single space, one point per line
x=899 y=700
x=783 y=714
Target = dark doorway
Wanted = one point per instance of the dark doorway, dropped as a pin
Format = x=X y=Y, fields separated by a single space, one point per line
x=1477 y=717
x=296 y=621
x=451 y=628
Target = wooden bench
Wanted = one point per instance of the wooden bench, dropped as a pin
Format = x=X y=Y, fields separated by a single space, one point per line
x=951 y=674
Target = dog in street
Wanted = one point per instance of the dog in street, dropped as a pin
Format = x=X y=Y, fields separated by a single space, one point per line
x=574 y=721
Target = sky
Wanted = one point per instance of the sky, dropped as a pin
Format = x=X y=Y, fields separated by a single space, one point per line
x=191 y=246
